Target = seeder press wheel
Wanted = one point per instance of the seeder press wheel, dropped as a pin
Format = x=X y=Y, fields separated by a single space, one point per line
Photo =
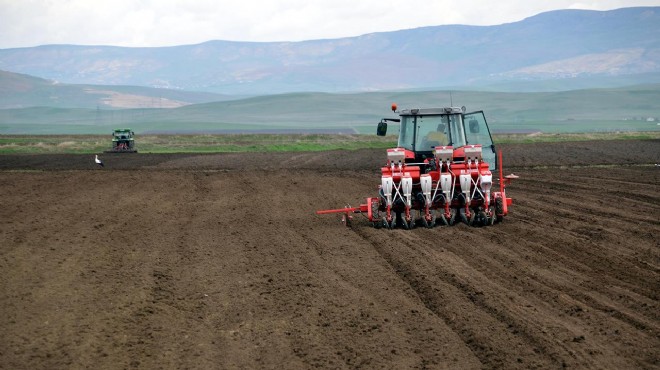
x=428 y=223
x=442 y=220
x=499 y=209
x=389 y=224
x=407 y=224
x=464 y=217
x=477 y=217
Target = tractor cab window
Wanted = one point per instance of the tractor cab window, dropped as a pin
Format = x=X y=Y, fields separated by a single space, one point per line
x=431 y=132
x=456 y=131
x=477 y=132
x=476 y=129
x=407 y=132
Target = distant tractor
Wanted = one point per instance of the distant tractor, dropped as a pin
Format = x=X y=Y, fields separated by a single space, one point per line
x=123 y=141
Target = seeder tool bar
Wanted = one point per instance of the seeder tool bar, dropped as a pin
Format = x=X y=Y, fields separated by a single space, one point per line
x=362 y=208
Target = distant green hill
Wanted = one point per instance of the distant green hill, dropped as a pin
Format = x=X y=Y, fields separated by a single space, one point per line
x=21 y=91
x=633 y=108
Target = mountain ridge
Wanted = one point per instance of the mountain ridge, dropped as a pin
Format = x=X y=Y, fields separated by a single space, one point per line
x=534 y=49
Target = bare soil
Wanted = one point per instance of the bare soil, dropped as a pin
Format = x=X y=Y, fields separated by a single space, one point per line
x=219 y=261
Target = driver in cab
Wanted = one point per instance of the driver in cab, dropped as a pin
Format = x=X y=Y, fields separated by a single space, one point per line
x=435 y=138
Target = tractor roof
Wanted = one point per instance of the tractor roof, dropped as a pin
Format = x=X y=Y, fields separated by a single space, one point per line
x=431 y=111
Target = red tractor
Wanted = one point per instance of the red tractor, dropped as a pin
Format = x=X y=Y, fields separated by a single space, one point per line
x=440 y=173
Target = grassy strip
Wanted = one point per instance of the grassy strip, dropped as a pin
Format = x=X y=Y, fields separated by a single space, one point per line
x=85 y=144
x=590 y=136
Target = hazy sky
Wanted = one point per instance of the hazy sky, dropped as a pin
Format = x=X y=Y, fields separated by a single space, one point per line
x=174 y=22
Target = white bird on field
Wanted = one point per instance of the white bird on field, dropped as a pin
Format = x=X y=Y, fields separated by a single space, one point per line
x=97 y=160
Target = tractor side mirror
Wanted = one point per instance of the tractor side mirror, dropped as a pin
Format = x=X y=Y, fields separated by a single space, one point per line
x=474 y=126
x=382 y=128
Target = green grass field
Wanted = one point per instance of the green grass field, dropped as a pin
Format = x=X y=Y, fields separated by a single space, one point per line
x=85 y=144
x=36 y=144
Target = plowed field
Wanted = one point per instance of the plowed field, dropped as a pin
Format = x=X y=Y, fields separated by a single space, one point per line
x=219 y=261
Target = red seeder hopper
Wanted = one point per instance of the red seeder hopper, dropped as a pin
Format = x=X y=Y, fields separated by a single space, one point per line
x=440 y=173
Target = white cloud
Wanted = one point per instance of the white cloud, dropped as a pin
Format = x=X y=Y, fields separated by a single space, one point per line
x=175 y=22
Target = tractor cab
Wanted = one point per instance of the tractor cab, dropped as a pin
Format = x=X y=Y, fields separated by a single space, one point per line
x=123 y=141
x=122 y=134
x=422 y=130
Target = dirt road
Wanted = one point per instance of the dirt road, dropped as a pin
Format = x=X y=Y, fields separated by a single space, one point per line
x=218 y=261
